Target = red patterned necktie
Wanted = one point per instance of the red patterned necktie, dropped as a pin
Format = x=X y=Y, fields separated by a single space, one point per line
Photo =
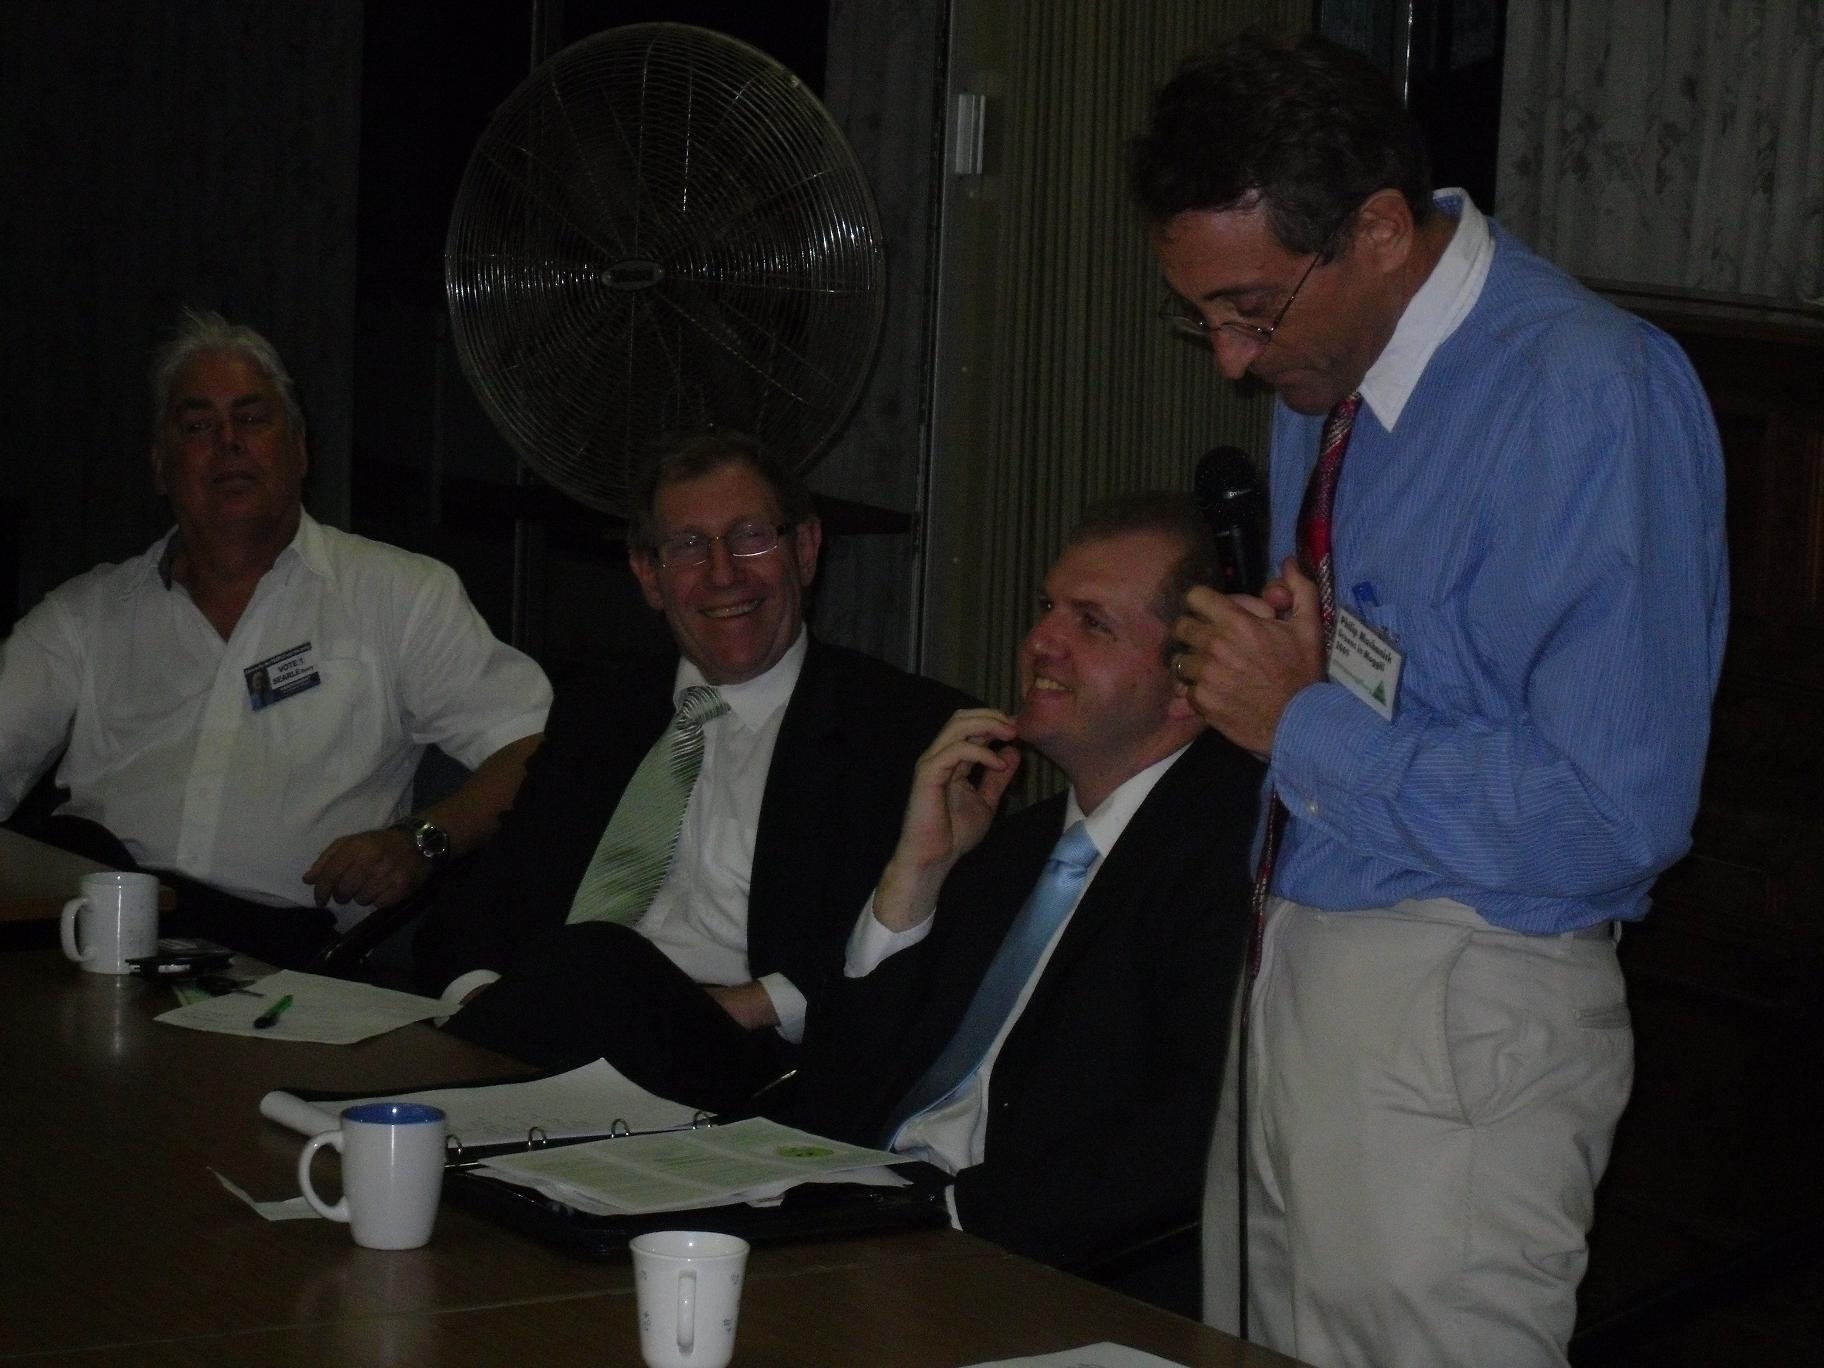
x=1314 y=545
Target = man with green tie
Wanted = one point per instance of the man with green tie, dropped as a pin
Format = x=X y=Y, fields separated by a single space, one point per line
x=674 y=883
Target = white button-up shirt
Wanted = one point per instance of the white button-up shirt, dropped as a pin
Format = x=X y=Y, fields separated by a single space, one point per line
x=167 y=750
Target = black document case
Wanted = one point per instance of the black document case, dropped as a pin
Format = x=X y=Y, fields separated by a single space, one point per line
x=810 y=1211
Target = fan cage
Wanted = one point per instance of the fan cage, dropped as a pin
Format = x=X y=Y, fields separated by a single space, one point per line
x=662 y=228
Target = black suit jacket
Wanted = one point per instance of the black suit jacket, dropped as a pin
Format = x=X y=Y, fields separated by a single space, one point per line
x=1103 y=1096
x=830 y=816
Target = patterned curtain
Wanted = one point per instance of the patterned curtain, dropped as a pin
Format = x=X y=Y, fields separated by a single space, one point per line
x=1674 y=143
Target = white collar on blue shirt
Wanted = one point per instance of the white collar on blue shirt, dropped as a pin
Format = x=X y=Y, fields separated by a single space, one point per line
x=1442 y=302
x=753 y=701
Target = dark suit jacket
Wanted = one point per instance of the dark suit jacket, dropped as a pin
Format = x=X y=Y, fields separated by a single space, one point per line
x=1102 y=1099
x=830 y=816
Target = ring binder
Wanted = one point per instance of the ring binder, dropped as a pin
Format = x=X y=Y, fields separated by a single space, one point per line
x=813 y=1210
x=517 y=1113
x=536 y=1139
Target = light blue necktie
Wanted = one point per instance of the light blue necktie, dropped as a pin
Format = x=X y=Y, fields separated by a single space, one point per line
x=1052 y=898
x=635 y=851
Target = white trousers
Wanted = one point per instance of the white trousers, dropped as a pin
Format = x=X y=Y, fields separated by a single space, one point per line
x=1431 y=1102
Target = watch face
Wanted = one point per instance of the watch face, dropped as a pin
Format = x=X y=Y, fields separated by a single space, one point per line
x=432 y=840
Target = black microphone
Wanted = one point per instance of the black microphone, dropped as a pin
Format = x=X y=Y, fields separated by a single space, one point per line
x=1227 y=492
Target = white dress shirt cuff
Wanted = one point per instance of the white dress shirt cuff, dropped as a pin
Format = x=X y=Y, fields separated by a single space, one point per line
x=788 y=1006
x=464 y=984
x=871 y=943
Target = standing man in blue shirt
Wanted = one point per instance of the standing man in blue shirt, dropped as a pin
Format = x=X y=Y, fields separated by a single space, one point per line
x=1487 y=753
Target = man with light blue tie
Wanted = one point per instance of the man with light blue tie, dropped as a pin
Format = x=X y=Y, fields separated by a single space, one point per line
x=1039 y=1008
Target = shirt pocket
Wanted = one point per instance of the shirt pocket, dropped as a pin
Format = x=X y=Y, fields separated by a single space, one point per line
x=336 y=733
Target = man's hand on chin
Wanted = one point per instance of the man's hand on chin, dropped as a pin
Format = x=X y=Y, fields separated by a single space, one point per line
x=747 y=1003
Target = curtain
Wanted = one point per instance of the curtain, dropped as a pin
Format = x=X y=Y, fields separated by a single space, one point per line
x=1054 y=382
x=1675 y=143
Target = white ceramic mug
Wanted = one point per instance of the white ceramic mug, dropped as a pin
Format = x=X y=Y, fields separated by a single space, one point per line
x=392 y=1172
x=115 y=920
x=689 y=1288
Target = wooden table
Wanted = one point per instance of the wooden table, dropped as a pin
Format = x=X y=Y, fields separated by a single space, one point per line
x=36 y=879
x=121 y=1248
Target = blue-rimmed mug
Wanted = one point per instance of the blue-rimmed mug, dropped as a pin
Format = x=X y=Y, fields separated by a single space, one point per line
x=392 y=1172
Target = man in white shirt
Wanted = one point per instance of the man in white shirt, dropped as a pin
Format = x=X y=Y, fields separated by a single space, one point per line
x=243 y=706
x=699 y=992
x=1069 y=1087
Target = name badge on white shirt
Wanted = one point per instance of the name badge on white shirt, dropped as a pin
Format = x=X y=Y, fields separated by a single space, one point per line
x=1365 y=663
x=278 y=677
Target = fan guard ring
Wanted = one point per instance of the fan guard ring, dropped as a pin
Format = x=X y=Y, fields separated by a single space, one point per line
x=662 y=228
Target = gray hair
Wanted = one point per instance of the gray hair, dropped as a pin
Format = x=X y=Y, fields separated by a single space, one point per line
x=203 y=331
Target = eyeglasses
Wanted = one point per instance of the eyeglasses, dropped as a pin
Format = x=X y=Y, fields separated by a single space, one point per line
x=244 y=422
x=1186 y=321
x=743 y=540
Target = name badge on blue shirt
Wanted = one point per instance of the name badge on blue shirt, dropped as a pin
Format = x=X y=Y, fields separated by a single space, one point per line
x=1365 y=663
x=278 y=677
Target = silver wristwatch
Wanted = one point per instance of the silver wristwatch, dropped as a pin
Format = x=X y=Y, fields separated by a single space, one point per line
x=432 y=841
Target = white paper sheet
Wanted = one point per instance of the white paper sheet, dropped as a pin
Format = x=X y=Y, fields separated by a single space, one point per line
x=325 y=1011
x=1104 y=1355
x=586 y=1101
x=749 y=1160
x=283 y=1209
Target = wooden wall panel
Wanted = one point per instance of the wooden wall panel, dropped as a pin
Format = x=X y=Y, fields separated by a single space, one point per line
x=1714 y=1167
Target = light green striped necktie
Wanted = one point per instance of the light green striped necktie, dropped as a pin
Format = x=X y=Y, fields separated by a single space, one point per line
x=630 y=861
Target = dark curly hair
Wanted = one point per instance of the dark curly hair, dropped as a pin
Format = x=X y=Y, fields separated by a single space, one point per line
x=1303 y=125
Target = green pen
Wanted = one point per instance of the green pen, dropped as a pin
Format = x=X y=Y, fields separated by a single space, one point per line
x=270 y=1017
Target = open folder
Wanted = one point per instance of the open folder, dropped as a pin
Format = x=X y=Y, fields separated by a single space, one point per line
x=586 y=1159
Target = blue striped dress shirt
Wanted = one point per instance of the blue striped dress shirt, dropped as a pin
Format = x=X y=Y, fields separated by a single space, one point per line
x=1541 y=533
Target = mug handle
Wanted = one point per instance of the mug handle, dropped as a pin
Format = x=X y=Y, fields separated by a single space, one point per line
x=687 y=1309
x=338 y=1212
x=68 y=931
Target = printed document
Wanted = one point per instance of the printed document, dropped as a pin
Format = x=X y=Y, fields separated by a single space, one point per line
x=748 y=1161
x=326 y=1011
x=597 y=1099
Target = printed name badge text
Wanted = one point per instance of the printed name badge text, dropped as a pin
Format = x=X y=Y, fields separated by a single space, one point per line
x=282 y=676
x=1365 y=663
